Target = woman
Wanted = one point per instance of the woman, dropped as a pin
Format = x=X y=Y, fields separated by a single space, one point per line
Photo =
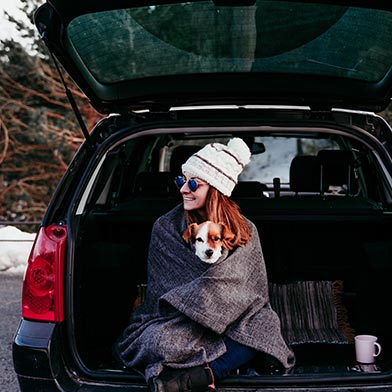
x=199 y=321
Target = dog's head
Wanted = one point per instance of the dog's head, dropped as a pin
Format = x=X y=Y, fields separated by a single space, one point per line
x=208 y=239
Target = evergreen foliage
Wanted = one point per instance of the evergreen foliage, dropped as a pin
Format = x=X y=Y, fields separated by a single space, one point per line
x=38 y=131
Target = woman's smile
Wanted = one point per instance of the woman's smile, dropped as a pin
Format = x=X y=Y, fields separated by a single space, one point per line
x=196 y=199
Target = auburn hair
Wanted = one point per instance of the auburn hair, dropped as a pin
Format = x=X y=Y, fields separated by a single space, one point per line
x=221 y=209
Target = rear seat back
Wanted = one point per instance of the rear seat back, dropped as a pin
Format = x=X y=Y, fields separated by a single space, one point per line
x=320 y=173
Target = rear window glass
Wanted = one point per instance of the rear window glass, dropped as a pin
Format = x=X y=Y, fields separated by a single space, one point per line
x=272 y=36
x=279 y=152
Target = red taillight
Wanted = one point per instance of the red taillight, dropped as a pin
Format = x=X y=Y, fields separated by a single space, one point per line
x=43 y=296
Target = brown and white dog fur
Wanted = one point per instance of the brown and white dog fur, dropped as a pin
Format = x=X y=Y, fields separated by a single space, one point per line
x=208 y=239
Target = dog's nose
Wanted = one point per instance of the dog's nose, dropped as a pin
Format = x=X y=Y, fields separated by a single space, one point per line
x=209 y=252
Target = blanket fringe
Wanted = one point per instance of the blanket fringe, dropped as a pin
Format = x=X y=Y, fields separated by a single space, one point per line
x=341 y=311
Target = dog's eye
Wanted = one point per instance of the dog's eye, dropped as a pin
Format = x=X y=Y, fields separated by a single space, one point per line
x=217 y=239
x=199 y=239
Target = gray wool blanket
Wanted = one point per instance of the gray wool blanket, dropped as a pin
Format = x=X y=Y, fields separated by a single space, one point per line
x=191 y=306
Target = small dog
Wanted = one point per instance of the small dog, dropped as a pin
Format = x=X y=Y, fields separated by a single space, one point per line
x=209 y=239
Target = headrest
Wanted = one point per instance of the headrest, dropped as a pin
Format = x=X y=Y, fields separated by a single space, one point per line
x=249 y=189
x=305 y=174
x=179 y=156
x=337 y=168
x=155 y=184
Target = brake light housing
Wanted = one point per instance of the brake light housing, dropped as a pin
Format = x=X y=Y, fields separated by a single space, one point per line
x=43 y=284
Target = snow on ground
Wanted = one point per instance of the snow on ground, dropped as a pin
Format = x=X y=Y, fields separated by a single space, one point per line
x=15 y=246
x=8 y=29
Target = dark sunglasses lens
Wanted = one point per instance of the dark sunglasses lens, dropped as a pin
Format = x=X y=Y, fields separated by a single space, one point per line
x=179 y=181
x=192 y=185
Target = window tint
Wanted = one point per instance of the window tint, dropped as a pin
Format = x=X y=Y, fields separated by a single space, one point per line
x=272 y=36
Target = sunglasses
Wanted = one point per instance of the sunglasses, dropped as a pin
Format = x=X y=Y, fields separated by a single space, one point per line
x=180 y=181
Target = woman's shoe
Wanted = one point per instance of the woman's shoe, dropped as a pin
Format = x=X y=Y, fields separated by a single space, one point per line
x=195 y=379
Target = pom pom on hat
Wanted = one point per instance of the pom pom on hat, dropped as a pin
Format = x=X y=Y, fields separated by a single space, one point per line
x=219 y=165
x=239 y=147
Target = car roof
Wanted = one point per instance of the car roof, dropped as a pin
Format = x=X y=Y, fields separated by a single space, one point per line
x=132 y=55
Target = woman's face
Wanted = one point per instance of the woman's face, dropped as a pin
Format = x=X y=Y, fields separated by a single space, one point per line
x=197 y=199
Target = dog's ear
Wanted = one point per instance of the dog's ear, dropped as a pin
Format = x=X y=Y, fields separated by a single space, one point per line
x=227 y=235
x=189 y=233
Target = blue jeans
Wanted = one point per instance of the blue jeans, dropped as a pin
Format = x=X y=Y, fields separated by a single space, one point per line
x=236 y=355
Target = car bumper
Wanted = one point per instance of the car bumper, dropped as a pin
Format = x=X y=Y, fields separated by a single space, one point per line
x=37 y=361
x=41 y=363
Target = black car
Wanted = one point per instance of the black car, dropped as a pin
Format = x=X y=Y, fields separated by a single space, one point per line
x=300 y=83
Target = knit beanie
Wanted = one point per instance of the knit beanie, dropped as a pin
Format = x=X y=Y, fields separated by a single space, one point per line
x=219 y=165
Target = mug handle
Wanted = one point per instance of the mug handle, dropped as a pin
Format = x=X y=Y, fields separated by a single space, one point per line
x=378 y=350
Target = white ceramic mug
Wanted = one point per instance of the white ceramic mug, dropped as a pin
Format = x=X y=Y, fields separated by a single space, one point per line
x=366 y=348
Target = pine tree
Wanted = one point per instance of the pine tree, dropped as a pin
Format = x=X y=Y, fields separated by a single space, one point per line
x=38 y=131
